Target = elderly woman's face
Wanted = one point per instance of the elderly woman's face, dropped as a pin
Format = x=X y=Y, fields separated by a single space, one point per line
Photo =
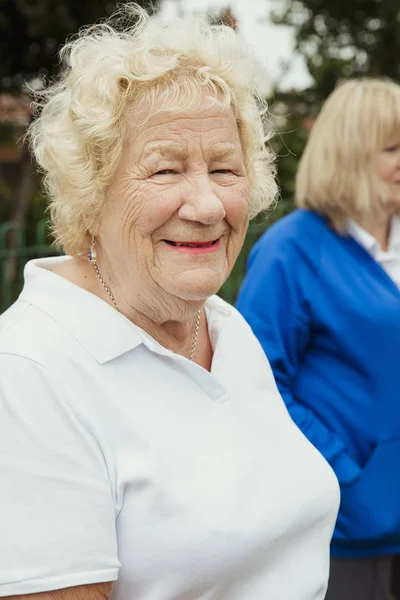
x=177 y=211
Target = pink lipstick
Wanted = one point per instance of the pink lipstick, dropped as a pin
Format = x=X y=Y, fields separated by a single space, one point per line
x=193 y=247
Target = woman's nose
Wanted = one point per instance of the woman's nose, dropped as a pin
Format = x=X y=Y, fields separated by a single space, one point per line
x=201 y=202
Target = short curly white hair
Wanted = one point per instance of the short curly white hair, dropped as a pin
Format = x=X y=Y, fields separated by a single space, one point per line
x=82 y=119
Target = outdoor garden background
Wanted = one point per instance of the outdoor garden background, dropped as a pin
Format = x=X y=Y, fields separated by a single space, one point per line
x=337 y=39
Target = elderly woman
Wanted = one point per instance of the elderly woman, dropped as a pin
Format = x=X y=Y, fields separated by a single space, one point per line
x=322 y=295
x=143 y=440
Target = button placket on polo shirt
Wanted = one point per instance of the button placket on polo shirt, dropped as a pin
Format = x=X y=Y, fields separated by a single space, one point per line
x=203 y=378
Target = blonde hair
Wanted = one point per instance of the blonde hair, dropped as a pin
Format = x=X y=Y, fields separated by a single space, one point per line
x=79 y=133
x=336 y=175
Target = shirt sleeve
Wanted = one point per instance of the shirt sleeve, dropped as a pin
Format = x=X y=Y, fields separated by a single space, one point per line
x=57 y=518
x=277 y=309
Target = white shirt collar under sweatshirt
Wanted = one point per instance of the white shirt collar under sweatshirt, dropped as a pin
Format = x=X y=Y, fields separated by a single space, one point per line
x=389 y=259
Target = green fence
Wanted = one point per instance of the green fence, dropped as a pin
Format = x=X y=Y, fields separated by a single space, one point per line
x=15 y=251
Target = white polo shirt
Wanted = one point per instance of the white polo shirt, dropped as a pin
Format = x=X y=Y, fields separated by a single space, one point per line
x=388 y=259
x=120 y=460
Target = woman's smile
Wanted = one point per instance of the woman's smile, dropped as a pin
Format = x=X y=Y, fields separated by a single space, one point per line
x=193 y=247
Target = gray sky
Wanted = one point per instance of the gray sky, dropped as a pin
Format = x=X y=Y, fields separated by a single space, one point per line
x=272 y=43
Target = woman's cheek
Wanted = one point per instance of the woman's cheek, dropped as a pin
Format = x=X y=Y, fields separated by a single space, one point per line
x=237 y=206
x=159 y=205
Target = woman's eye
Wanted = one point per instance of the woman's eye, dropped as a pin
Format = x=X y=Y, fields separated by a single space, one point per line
x=393 y=148
x=222 y=171
x=164 y=172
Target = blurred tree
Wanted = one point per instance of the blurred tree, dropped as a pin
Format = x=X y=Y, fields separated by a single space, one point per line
x=338 y=39
x=341 y=39
x=291 y=117
x=31 y=32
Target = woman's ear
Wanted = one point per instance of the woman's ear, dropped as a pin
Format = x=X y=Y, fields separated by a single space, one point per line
x=92 y=224
x=94 y=229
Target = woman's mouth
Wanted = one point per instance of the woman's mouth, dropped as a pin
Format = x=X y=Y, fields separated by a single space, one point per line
x=194 y=247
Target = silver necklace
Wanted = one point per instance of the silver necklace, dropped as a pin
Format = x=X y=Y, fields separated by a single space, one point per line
x=107 y=289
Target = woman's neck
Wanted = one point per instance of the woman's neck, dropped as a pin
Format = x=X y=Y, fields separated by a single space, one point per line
x=175 y=334
x=170 y=323
x=379 y=228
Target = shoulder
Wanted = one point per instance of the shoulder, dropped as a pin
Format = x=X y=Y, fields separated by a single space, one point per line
x=39 y=381
x=285 y=262
x=28 y=343
x=20 y=328
x=243 y=353
x=235 y=322
x=291 y=245
x=219 y=308
x=300 y=228
x=27 y=332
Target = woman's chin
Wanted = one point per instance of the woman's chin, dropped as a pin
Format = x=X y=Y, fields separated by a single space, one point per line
x=191 y=288
x=196 y=294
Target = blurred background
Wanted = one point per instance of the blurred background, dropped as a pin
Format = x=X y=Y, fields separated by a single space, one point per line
x=304 y=48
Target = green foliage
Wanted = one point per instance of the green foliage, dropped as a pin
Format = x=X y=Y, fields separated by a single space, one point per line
x=5 y=199
x=31 y=32
x=36 y=213
x=338 y=39
x=291 y=114
x=342 y=38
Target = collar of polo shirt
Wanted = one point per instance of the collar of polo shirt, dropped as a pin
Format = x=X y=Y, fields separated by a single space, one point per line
x=370 y=243
x=100 y=329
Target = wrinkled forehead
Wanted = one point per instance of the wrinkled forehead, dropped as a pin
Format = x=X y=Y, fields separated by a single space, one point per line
x=183 y=151
x=175 y=133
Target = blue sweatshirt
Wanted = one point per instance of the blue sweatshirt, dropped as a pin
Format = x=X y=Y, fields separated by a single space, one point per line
x=328 y=318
